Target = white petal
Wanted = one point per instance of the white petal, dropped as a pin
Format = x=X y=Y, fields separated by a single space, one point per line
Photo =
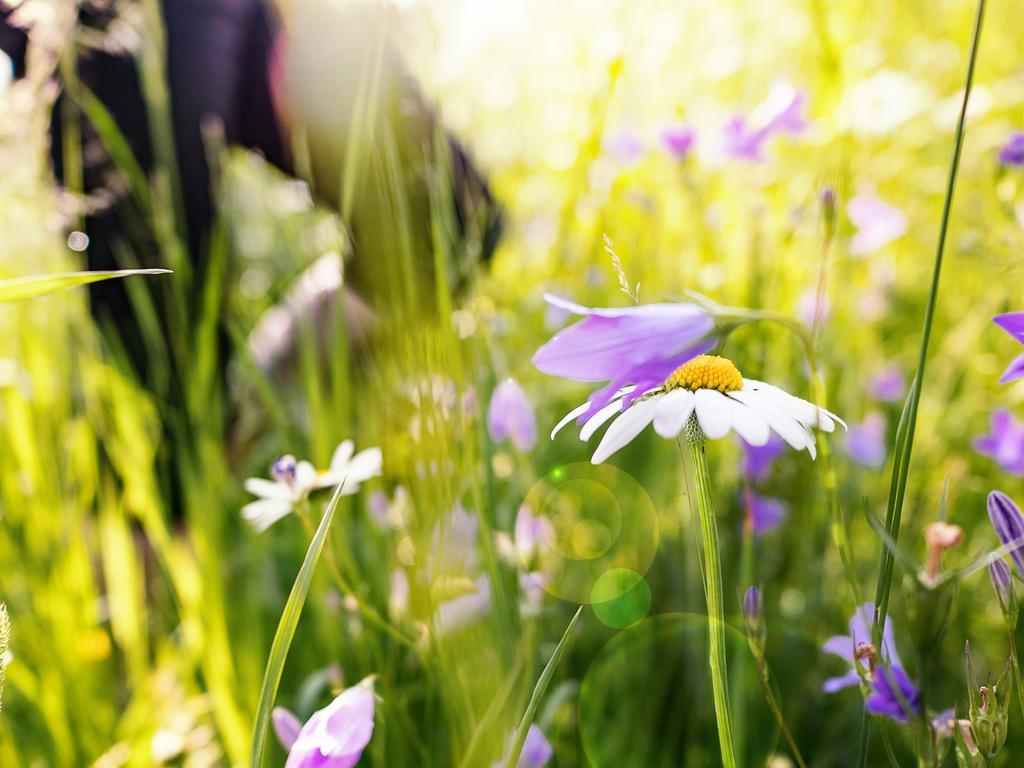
x=267 y=489
x=805 y=412
x=673 y=411
x=365 y=464
x=787 y=427
x=630 y=424
x=575 y=413
x=305 y=477
x=599 y=419
x=748 y=424
x=264 y=513
x=713 y=413
x=342 y=454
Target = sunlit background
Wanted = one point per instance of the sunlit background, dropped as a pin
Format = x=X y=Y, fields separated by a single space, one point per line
x=443 y=165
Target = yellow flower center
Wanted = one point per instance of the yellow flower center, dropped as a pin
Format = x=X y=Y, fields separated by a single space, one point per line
x=706 y=372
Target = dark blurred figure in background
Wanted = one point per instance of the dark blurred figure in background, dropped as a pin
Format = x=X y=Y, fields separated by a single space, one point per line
x=228 y=61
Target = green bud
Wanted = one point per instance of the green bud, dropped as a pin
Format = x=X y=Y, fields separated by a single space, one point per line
x=989 y=709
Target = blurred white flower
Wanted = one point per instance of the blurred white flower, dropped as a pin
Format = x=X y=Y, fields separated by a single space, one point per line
x=292 y=481
x=878 y=105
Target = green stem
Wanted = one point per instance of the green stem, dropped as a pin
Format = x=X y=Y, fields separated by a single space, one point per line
x=711 y=562
x=1016 y=668
x=769 y=695
x=905 y=437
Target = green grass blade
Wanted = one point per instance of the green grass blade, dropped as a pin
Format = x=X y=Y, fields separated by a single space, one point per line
x=905 y=441
x=22 y=288
x=538 y=693
x=286 y=632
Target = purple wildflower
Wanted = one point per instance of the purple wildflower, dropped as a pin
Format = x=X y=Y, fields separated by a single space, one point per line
x=1005 y=443
x=635 y=346
x=845 y=646
x=877 y=223
x=335 y=736
x=1012 y=152
x=511 y=416
x=758 y=460
x=752 y=605
x=888 y=384
x=893 y=695
x=533 y=533
x=624 y=146
x=465 y=609
x=1009 y=524
x=678 y=140
x=865 y=442
x=765 y=512
x=1013 y=324
x=782 y=112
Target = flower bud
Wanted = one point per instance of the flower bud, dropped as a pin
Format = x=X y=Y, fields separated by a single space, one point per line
x=1009 y=524
x=988 y=711
x=1002 y=583
x=752 y=611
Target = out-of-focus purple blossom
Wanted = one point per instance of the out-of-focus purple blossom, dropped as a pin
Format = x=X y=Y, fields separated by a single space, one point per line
x=1005 y=443
x=454 y=543
x=888 y=384
x=893 y=694
x=1012 y=152
x=877 y=223
x=812 y=307
x=758 y=460
x=624 y=146
x=377 y=503
x=1013 y=324
x=865 y=442
x=533 y=533
x=752 y=605
x=765 y=512
x=781 y=113
x=465 y=609
x=1009 y=524
x=555 y=316
x=636 y=346
x=536 y=753
x=678 y=140
x=510 y=415
x=286 y=726
x=335 y=736
x=398 y=597
x=845 y=646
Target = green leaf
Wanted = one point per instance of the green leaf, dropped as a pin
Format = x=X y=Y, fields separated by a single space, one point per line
x=286 y=632
x=538 y=693
x=22 y=288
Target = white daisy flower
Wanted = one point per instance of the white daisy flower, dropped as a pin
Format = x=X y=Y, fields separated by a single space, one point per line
x=709 y=392
x=292 y=482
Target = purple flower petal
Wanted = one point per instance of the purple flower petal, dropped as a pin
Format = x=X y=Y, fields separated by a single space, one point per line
x=335 y=736
x=1014 y=371
x=1005 y=443
x=510 y=415
x=1009 y=524
x=678 y=140
x=1012 y=153
x=1012 y=323
x=877 y=224
x=889 y=384
x=766 y=513
x=834 y=684
x=758 y=460
x=537 y=750
x=894 y=695
x=865 y=442
x=286 y=726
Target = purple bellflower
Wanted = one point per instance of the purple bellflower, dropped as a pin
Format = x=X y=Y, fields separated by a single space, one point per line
x=865 y=442
x=678 y=140
x=1009 y=524
x=537 y=750
x=1012 y=152
x=511 y=416
x=845 y=646
x=334 y=737
x=765 y=512
x=877 y=223
x=1013 y=324
x=758 y=460
x=1005 y=443
x=636 y=346
x=782 y=112
x=888 y=385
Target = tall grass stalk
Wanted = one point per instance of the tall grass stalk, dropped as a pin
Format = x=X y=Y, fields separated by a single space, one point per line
x=908 y=422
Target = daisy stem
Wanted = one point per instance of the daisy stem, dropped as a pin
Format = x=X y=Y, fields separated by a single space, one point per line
x=711 y=563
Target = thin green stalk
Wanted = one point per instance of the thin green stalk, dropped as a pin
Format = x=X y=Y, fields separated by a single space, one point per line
x=905 y=441
x=286 y=632
x=713 y=595
x=1016 y=668
x=538 y=693
x=773 y=704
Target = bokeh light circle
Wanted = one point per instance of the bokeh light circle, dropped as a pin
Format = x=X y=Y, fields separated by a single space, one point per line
x=620 y=598
x=599 y=519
